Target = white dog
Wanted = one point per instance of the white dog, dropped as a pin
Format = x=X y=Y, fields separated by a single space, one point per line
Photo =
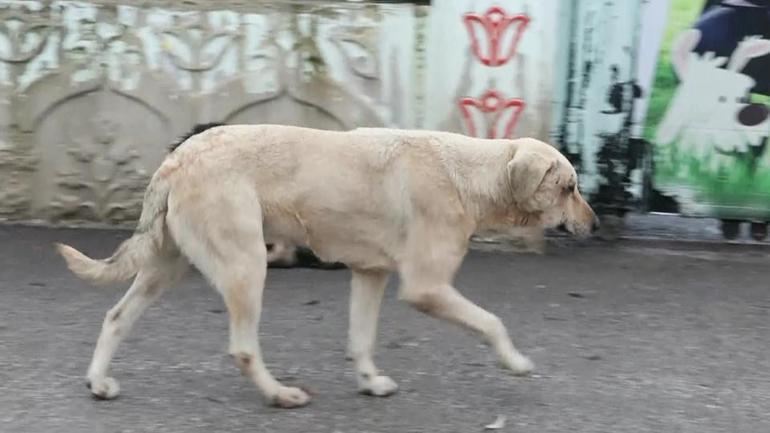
x=377 y=200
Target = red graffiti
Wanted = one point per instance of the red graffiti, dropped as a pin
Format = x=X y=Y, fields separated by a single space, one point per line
x=492 y=104
x=495 y=22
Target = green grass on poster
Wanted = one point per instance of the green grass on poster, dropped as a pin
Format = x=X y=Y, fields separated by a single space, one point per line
x=726 y=183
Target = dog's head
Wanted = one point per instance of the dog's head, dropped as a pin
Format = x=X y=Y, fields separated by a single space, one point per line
x=544 y=187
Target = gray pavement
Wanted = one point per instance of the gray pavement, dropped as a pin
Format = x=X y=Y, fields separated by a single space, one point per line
x=674 y=227
x=627 y=337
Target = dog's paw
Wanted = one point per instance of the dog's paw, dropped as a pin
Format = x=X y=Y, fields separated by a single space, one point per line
x=380 y=386
x=105 y=388
x=290 y=397
x=519 y=365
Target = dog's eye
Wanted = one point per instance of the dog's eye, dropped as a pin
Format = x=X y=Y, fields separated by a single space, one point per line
x=569 y=189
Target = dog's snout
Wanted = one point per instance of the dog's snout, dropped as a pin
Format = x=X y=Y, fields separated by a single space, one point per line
x=753 y=114
x=595 y=225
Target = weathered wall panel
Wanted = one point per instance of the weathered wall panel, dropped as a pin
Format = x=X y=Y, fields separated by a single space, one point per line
x=596 y=92
x=92 y=93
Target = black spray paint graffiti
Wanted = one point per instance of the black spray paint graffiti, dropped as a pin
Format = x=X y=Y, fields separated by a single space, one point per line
x=619 y=154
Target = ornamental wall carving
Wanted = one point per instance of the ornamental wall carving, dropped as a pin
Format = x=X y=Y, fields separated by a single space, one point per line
x=92 y=93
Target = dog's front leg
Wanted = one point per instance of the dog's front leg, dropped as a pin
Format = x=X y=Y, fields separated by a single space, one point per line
x=366 y=291
x=426 y=287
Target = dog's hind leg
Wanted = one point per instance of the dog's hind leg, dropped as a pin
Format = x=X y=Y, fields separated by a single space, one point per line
x=243 y=297
x=230 y=251
x=147 y=287
x=366 y=291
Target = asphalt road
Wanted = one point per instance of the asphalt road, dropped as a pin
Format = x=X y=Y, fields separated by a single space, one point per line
x=626 y=338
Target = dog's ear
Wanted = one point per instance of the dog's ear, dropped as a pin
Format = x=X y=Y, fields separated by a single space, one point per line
x=526 y=172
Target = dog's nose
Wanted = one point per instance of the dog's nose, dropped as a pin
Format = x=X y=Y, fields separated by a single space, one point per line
x=753 y=114
x=595 y=225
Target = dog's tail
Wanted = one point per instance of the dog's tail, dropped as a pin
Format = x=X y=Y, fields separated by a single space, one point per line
x=145 y=243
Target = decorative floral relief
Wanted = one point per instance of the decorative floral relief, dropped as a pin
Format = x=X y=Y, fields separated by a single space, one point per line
x=502 y=33
x=357 y=45
x=196 y=56
x=101 y=174
x=495 y=110
x=25 y=35
x=198 y=36
x=500 y=30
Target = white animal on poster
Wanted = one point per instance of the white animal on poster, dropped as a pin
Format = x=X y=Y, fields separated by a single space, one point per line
x=710 y=112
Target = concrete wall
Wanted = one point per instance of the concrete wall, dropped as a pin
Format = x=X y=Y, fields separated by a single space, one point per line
x=92 y=93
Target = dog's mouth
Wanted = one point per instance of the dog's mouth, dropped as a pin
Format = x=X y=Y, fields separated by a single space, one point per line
x=577 y=230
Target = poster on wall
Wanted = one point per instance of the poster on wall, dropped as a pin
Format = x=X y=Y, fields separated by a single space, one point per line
x=708 y=118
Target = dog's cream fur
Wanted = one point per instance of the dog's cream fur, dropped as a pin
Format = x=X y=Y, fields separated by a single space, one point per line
x=378 y=200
